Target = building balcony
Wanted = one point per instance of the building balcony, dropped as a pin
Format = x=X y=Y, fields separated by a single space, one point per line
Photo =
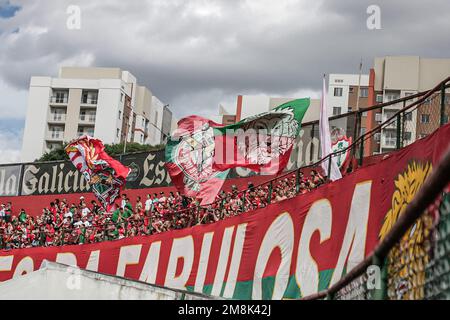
x=85 y=133
x=56 y=118
x=58 y=100
x=54 y=136
x=87 y=119
x=89 y=102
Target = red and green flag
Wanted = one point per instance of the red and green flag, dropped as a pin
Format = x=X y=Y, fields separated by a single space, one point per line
x=201 y=152
x=105 y=175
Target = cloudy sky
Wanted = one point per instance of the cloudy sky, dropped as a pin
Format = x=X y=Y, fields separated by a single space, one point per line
x=195 y=54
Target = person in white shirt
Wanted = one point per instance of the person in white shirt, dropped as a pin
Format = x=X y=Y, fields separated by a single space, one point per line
x=148 y=204
x=85 y=211
x=2 y=212
x=68 y=214
x=124 y=201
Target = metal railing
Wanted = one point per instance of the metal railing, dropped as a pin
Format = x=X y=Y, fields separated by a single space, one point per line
x=91 y=101
x=413 y=256
x=433 y=102
x=59 y=99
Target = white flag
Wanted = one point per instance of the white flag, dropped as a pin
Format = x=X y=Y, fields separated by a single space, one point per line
x=325 y=138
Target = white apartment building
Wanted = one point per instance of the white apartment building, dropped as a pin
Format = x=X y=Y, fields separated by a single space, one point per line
x=401 y=76
x=340 y=88
x=106 y=103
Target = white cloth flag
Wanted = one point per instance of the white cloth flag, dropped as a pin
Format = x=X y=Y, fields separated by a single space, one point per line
x=325 y=138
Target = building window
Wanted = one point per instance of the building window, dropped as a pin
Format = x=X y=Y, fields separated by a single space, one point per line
x=89 y=97
x=121 y=97
x=364 y=114
x=59 y=96
x=118 y=133
x=379 y=98
x=378 y=117
x=377 y=136
x=391 y=138
x=408 y=116
x=391 y=96
x=407 y=136
x=336 y=111
x=338 y=80
x=425 y=118
x=351 y=89
x=364 y=92
x=120 y=115
x=338 y=92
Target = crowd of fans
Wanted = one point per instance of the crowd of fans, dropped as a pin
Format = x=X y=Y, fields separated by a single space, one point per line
x=80 y=223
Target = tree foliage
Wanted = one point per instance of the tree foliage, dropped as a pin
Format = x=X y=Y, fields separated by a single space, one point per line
x=114 y=150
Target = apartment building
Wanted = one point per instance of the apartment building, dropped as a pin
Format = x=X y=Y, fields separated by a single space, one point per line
x=396 y=77
x=251 y=105
x=107 y=103
x=347 y=93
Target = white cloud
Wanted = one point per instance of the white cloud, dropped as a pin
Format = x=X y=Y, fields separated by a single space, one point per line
x=13 y=102
x=10 y=145
x=196 y=54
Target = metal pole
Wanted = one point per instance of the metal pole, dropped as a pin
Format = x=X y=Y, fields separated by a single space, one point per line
x=381 y=292
x=442 y=119
x=356 y=130
x=297 y=181
x=361 y=151
x=403 y=124
x=269 y=199
x=125 y=142
x=311 y=150
x=399 y=131
x=359 y=85
x=329 y=167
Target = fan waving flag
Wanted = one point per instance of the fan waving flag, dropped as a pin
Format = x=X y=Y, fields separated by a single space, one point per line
x=201 y=152
x=105 y=174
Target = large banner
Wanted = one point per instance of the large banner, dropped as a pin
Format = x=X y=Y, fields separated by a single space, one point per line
x=62 y=177
x=287 y=250
x=148 y=171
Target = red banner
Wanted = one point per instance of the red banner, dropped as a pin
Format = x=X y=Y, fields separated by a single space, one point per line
x=287 y=250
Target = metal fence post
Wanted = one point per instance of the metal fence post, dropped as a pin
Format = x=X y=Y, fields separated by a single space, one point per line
x=381 y=292
x=442 y=119
x=297 y=181
x=355 y=131
x=311 y=150
x=361 y=151
x=329 y=167
x=403 y=125
x=399 y=131
x=269 y=199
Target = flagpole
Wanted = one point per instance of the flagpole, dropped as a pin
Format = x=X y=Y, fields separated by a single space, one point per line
x=359 y=85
